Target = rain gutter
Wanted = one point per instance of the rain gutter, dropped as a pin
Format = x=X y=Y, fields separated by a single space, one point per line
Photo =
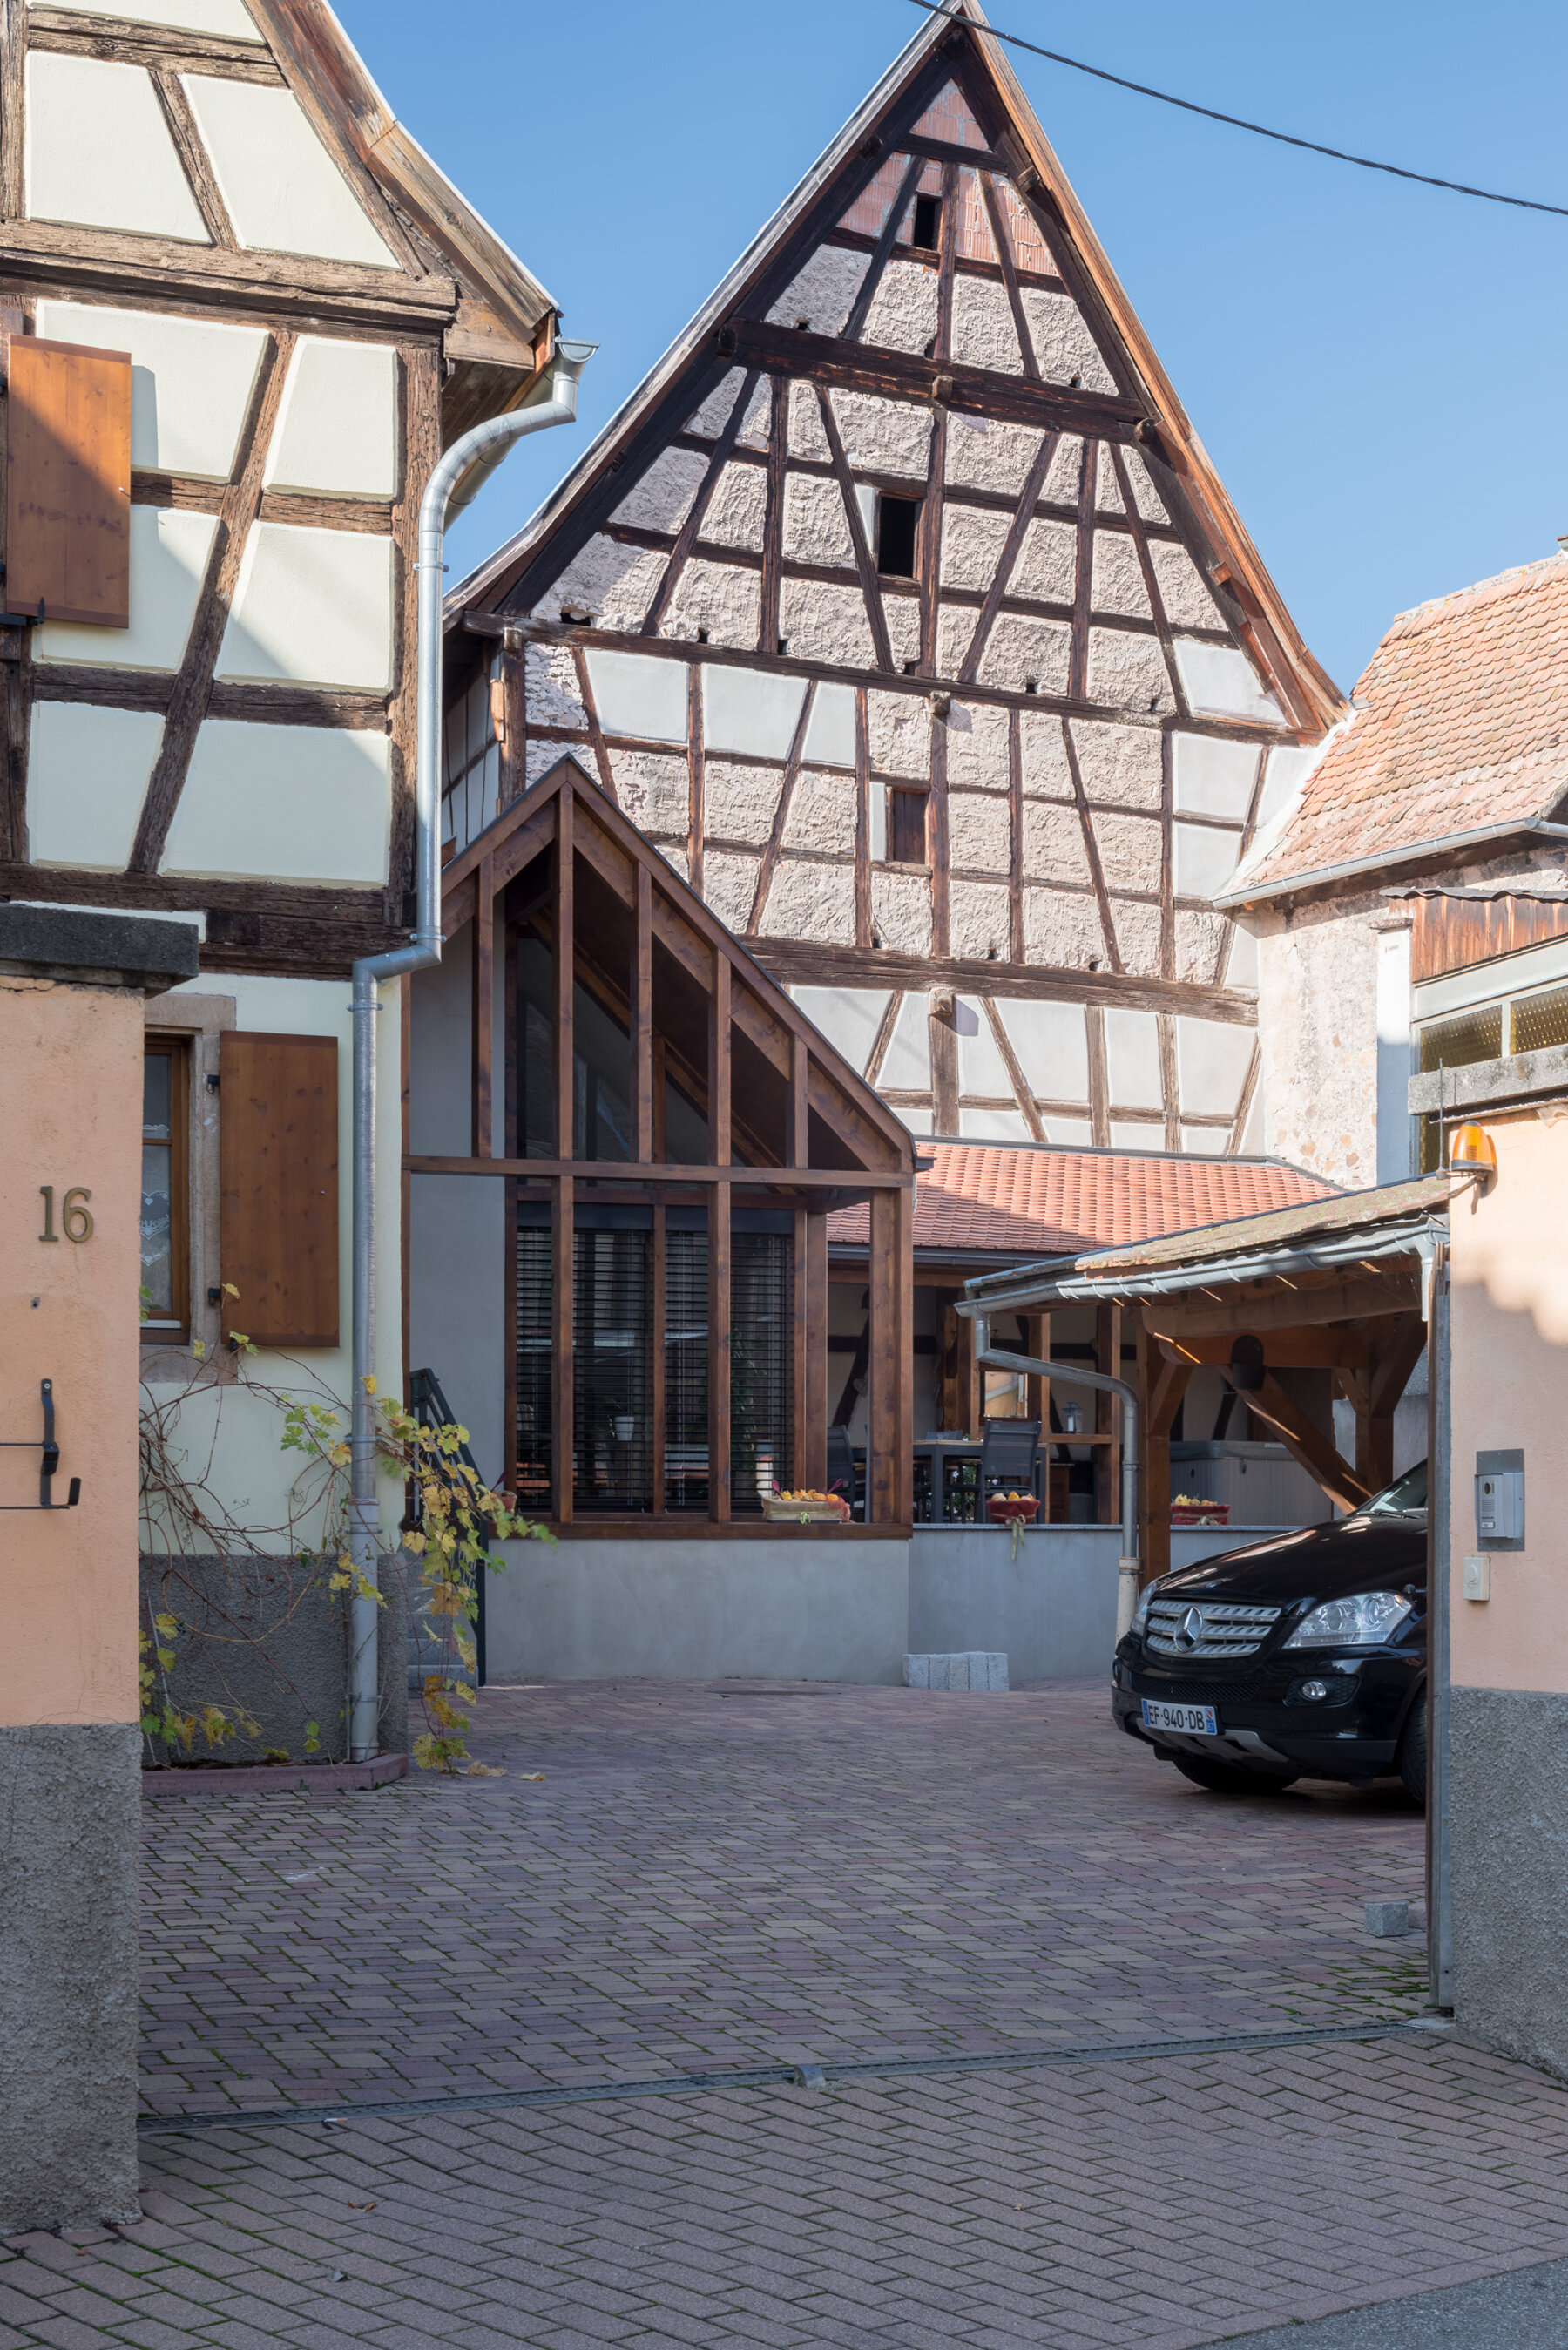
x=423 y=950
x=1325 y=874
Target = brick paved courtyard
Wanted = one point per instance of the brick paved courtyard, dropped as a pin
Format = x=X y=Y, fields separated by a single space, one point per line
x=706 y=1880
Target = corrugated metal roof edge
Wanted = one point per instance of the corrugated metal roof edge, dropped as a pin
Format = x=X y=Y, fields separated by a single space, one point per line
x=1349 y=1212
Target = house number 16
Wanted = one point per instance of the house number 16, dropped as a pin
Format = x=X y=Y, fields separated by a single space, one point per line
x=76 y=1218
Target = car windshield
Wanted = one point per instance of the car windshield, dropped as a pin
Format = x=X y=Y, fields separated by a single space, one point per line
x=1405 y=1498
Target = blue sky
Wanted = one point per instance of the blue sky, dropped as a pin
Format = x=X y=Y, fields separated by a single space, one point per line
x=1377 y=370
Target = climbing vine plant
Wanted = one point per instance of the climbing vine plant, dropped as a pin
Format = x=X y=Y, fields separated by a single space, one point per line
x=452 y=1521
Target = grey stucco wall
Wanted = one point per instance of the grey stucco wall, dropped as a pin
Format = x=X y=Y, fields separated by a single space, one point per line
x=811 y=1609
x=817 y=1608
x=1508 y=1825
x=266 y=1635
x=1053 y=1609
x=70 y=1800
x=457 y=1223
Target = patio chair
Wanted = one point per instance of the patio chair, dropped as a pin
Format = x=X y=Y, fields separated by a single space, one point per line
x=843 y=1471
x=1008 y=1457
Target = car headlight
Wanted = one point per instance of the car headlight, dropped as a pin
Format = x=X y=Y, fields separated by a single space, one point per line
x=1363 y=1622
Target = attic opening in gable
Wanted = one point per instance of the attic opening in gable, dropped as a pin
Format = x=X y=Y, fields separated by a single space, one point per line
x=926 y=225
x=892 y=528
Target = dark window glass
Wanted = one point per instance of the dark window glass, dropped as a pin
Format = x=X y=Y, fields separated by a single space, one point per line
x=926 y=221
x=602 y=1125
x=1539 y=1021
x=601 y=1081
x=165 y=1271
x=611 y=1364
x=762 y=1383
x=906 y=828
x=897 y=527
x=686 y=1370
x=535 y=1047
x=1468 y=1036
x=534 y=1345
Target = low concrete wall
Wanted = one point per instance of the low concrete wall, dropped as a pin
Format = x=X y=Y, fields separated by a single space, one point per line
x=1053 y=1607
x=269 y=1636
x=817 y=1608
x=1508 y=1825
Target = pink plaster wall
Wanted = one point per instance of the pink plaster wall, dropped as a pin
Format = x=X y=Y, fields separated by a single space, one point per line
x=1509 y=1388
x=70 y=1114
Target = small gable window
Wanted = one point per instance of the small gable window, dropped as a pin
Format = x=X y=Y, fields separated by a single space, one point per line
x=897 y=528
x=926 y=222
x=906 y=828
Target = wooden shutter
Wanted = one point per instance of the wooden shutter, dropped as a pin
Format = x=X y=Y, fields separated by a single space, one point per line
x=278 y=1120
x=67 y=485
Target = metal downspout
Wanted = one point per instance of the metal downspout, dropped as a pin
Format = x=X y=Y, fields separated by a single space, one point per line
x=423 y=950
x=1062 y=1375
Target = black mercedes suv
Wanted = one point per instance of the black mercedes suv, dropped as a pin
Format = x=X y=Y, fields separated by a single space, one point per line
x=1302 y=1656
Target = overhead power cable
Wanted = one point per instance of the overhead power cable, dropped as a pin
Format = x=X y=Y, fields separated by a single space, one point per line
x=1238 y=122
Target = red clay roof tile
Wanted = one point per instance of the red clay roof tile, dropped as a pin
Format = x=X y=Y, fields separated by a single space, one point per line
x=1462 y=721
x=1031 y=1202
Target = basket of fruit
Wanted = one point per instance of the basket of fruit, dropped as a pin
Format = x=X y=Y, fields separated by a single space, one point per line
x=807 y=1507
x=1193 y=1510
x=1012 y=1510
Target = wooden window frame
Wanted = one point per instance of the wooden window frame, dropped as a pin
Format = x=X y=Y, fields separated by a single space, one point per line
x=195 y=1023
x=920 y=792
x=174 y=1331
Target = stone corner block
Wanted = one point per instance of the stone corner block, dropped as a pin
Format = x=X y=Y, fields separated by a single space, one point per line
x=961 y=1668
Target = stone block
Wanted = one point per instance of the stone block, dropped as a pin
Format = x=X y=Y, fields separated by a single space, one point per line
x=1387 y=1917
x=964 y=1669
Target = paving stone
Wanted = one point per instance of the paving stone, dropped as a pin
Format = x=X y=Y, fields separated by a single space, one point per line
x=704 y=1880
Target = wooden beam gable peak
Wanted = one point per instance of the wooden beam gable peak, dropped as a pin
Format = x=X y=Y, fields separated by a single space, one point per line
x=608 y=840
x=998 y=165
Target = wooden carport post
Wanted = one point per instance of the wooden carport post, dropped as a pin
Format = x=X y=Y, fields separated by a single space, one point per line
x=1161 y=1386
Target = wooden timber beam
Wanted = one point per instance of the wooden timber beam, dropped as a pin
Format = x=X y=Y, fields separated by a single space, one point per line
x=1396 y=1350
x=794 y=962
x=480 y=623
x=1307 y=1443
x=1162 y=1384
x=894 y=375
x=1238 y=1307
x=853 y=1182
x=1316 y=1346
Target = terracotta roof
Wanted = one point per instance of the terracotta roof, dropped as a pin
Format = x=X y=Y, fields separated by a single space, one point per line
x=1460 y=725
x=1022 y=1201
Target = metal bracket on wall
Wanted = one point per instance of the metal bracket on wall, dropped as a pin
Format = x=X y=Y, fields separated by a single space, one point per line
x=48 y=1468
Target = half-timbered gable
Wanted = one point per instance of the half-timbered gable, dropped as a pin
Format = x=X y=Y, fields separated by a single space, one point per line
x=903 y=609
x=243 y=314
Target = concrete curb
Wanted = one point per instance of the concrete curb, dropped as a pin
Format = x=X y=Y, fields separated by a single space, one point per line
x=277 y=1778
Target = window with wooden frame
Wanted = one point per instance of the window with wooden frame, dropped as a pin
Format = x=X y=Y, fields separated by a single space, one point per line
x=905 y=826
x=165 y=1191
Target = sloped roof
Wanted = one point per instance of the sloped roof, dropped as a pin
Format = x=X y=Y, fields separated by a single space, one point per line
x=1313 y=697
x=1026 y=1200
x=1459 y=734
x=1335 y=1232
x=1341 y=1230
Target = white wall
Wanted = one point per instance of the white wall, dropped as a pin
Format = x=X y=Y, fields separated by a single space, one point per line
x=242 y=1431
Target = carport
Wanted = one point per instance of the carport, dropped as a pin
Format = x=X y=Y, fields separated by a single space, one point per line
x=1351 y=1285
